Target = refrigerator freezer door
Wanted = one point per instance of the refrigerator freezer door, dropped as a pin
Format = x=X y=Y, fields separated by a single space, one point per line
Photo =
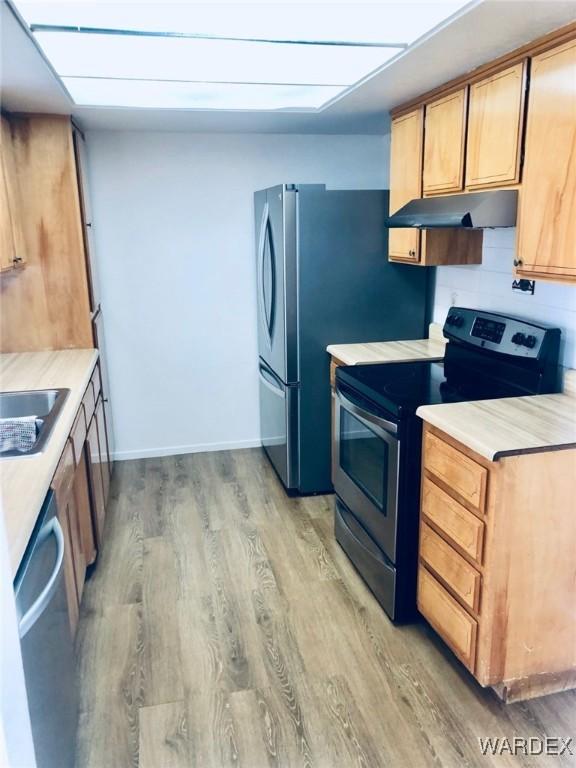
x=276 y=269
x=279 y=424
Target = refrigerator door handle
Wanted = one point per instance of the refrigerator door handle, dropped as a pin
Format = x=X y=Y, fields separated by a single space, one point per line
x=271 y=382
x=39 y=605
x=265 y=236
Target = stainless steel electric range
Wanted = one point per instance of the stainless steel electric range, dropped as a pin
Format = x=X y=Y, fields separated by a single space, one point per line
x=377 y=436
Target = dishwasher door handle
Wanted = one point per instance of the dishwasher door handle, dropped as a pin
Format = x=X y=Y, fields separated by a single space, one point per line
x=37 y=608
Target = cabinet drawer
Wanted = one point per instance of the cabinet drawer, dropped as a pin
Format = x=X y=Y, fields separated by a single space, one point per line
x=462 y=475
x=450 y=567
x=78 y=433
x=463 y=528
x=456 y=627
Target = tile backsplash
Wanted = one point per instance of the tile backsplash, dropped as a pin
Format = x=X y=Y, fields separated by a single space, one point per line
x=489 y=286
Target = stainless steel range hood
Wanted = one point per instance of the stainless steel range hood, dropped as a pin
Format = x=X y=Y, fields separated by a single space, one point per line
x=477 y=210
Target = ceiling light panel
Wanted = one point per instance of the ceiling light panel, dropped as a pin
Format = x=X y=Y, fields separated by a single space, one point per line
x=387 y=21
x=179 y=95
x=175 y=58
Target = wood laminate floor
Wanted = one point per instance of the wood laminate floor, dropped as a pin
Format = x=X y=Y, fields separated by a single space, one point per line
x=223 y=626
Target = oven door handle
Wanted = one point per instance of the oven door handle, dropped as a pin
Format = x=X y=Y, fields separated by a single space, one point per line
x=363 y=415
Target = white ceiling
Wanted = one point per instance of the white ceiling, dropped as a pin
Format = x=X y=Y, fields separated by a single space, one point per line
x=483 y=31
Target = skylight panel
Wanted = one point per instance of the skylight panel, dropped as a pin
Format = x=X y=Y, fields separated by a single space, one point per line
x=205 y=96
x=220 y=61
x=399 y=21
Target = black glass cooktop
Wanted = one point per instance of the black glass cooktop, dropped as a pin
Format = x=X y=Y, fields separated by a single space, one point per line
x=400 y=388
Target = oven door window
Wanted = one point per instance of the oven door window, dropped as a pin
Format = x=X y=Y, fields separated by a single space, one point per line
x=364 y=456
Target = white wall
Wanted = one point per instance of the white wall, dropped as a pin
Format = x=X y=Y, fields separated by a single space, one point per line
x=489 y=286
x=174 y=236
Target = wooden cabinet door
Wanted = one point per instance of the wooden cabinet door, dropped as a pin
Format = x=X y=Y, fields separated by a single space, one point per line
x=78 y=559
x=95 y=480
x=405 y=181
x=444 y=131
x=103 y=443
x=86 y=217
x=6 y=241
x=12 y=248
x=62 y=484
x=547 y=220
x=495 y=119
x=84 y=510
x=69 y=571
x=100 y=344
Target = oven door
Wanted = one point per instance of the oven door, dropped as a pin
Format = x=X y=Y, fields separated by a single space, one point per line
x=365 y=465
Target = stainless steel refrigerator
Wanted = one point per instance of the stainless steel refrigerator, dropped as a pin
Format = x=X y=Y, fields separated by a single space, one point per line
x=323 y=278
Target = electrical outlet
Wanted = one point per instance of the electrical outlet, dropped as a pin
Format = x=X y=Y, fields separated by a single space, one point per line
x=526 y=287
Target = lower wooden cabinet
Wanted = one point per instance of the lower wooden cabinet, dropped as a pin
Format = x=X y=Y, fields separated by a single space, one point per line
x=497 y=572
x=81 y=484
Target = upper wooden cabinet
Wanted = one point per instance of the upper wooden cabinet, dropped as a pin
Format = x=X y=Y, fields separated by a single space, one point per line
x=405 y=180
x=12 y=248
x=410 y=246
x=46 y=306
x=444 y=141
x=547 y=220
x=495 y=119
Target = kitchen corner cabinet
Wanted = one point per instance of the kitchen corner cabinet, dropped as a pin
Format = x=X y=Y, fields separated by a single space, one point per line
x=497 y=574
x=495 y=122
x=546 y=223
x=12 y=250
x=444 y=142
x=406 y=141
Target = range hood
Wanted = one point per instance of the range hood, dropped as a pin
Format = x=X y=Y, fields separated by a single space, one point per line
x=477 y=210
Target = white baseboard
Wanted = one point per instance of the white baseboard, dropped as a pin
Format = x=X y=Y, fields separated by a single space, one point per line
x=177 y=450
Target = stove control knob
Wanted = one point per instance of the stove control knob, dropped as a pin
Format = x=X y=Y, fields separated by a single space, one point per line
x=530 y=342
x=519 y=338
x=457 y=321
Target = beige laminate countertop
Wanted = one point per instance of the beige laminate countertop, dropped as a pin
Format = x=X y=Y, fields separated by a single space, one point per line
x=509 y=426
x=25 y=481
x=388 y=351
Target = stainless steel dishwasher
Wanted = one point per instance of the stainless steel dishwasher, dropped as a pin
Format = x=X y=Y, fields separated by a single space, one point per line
x=46 y=642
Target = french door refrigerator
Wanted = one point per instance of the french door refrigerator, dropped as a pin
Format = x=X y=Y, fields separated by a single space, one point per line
x=323 y=278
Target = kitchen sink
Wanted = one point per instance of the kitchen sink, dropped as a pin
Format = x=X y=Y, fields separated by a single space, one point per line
x=44 y=404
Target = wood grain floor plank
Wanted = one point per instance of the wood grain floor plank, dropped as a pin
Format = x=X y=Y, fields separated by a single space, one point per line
x=164 y=739
x=161 y=657
x=214 y=737
x=109 y=648
x=243 y=665
x=202 y=650
x=256 y=728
